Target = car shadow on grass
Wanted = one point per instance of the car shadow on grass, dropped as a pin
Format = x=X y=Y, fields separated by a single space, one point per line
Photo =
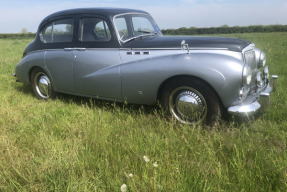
x=27 y=90
x=110 y=105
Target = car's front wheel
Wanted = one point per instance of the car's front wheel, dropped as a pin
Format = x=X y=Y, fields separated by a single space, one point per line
x=41 y=84
x=191 y=101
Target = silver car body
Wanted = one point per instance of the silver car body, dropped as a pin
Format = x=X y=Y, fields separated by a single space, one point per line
x=136 y=73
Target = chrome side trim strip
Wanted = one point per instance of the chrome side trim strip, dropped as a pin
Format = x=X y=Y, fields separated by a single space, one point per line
x=179 y=48
x=126 y=49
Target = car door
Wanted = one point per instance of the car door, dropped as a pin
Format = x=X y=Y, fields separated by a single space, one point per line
x=97 y=61
x=56 y=36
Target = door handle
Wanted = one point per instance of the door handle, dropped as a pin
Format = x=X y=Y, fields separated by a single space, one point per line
x=79 y=49
x=68 y=49
x=75 y=49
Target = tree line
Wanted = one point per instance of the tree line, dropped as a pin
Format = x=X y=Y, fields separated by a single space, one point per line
x=16 y=35
x=225 y=29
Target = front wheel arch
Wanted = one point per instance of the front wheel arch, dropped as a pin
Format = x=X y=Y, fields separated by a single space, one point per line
x=195 y=85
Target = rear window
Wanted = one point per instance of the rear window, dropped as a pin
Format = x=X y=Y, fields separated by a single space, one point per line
x=94 y=29
x=58 y=31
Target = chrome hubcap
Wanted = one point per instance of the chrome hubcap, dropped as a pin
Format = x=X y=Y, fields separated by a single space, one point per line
x=187 y=105
x=43 y=85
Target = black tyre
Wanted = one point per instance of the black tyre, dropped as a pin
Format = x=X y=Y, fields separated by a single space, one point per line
x=191 y=101
x=41 y=84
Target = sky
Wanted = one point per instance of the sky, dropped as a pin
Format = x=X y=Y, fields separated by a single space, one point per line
x=168 y=14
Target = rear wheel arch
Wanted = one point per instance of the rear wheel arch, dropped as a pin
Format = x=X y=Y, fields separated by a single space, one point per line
x=45 y=70
x=30 y=72
x=41 y=83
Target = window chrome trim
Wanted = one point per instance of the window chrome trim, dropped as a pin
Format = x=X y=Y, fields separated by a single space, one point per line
x=132 y=13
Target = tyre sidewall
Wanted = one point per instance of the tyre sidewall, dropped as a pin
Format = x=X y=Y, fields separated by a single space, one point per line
x=211 y=98
x=33 y=75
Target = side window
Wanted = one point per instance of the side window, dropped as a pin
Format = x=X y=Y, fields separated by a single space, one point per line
x=58 y=31
x=122 y=28
x=94 y=29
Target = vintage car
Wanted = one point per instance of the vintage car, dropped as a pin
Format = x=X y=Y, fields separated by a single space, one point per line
x=122 y=56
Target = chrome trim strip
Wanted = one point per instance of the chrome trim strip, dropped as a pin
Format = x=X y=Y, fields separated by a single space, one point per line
x=68 y=49
x=179 y=48
x=126 y=49
x=71 y=49
x=117 y=31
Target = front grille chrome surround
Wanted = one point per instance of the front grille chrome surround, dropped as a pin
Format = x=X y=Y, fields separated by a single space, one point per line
x=249 y=58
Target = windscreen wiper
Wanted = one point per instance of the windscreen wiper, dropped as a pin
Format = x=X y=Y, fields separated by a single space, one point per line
x=141 y=36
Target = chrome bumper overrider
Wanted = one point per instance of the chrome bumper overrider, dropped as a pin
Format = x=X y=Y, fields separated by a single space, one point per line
x=260 y=104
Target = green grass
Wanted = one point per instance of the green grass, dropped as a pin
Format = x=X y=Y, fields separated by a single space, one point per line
x=79 y=144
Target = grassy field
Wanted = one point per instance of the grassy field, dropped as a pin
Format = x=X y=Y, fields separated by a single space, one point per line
x=79 y=144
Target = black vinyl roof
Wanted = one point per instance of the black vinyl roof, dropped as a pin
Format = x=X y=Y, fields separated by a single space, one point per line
x=109 y=12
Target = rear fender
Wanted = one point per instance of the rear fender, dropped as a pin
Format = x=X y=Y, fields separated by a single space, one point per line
x=30 y=61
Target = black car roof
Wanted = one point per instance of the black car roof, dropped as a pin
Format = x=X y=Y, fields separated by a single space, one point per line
x=109 y=12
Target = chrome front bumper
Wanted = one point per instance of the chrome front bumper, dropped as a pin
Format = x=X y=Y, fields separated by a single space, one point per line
x=260 y=104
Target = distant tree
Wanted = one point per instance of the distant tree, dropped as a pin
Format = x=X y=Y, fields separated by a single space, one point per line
x=225 y=29
x=225 y=25
x=24 y=30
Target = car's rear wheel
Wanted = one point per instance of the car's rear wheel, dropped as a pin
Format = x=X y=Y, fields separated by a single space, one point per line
x=41 y=84
x=191 y=101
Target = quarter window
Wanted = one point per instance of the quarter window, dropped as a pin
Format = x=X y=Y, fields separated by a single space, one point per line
x=122 y=27
x=58 y=31
x=94 y=29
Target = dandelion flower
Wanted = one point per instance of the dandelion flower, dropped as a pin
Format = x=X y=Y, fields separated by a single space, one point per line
x=131 y=176
x=155 y=164
x=146 y=159
x=124 y=188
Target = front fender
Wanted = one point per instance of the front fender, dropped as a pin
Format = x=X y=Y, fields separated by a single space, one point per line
x=142 y=79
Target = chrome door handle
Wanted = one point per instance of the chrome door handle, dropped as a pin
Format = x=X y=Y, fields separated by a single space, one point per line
x=75 y=49
x=68 y=49
x=79 y=49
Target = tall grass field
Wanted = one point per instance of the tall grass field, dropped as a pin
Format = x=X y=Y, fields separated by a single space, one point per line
x=80 y=144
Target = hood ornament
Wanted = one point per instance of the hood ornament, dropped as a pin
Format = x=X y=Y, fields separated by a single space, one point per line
x=184 y=46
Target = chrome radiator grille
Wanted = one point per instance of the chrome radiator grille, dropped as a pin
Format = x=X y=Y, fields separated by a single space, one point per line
x=250 y=60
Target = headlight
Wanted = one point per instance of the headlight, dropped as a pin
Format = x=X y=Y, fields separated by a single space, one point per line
x=262 y=59
x=247 y=75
